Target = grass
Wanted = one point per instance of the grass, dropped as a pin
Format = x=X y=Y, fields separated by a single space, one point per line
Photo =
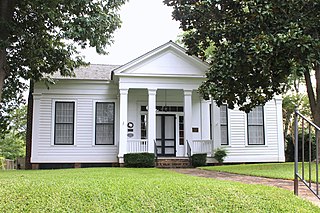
x=137 y=190
x=272 y=170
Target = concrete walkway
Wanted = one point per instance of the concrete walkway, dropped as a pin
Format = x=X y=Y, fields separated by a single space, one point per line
x=284 y=184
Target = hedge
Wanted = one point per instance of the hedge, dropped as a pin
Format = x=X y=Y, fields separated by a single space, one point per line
x=199 y=159
x=139 y=160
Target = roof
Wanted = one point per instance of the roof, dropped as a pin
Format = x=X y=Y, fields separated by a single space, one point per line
x=90 y=72
x=169 y=45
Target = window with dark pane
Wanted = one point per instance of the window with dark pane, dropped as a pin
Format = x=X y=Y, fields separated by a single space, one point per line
x=64 y=123
x=224 y=124
x=143 y=126
x=104 y=123
x=181 y=130
x=256 y=126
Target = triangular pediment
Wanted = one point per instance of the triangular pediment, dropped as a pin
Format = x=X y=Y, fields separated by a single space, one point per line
x=168 y=59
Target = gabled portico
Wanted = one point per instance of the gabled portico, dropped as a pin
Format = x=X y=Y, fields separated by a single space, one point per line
x=164 y=77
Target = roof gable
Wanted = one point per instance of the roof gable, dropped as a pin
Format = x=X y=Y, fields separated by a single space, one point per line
x=168 y=59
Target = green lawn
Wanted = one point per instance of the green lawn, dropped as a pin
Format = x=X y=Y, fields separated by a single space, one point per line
x=272 y=170
x=137 y=190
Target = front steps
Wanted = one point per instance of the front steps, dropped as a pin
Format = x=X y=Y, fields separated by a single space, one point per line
x=173 y=162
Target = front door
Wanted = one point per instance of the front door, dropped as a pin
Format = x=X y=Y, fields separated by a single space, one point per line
x=166 y=135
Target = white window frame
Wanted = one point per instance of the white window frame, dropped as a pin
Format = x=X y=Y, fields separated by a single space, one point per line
x=115 y=138
x=264 y=131
x=53 y=108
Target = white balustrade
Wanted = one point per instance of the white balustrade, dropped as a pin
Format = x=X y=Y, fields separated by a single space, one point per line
x=137 y=145
x=202 y=146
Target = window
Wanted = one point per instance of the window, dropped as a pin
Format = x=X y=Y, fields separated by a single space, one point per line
x=143 y=126
x=64 y=123
x=224 y=124
x=104 y=123
x=255 y=126
x=181 y=130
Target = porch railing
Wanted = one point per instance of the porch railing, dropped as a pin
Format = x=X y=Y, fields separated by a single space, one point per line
x=202 y=146
x=137 y=145
x=189 y=153
x=306 y=172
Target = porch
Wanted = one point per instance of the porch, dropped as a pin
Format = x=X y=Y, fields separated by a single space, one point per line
x=194 y=147
x=163 y=121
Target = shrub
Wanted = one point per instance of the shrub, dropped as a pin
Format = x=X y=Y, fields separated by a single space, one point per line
x=139 y=160
x=220 y=154
x=199 y=159
x=289 y=152
x=2 y=162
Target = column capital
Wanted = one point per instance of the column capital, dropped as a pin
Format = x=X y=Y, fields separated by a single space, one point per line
x=187 y=92
x=152 y=91
x=123 y=91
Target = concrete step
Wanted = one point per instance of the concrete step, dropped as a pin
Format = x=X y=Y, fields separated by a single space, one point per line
x=173 y=163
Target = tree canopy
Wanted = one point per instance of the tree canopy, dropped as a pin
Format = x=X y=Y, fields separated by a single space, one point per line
x=254 y=47
x=39 y=37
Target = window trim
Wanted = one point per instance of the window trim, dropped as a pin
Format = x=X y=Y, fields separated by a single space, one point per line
x=54 y=122
x=263 y=128
x=95 y=123
x=227 y=125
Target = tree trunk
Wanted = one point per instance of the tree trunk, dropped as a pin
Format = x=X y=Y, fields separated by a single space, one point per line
x=3 y=72
x=314 y=97
x=6 y=16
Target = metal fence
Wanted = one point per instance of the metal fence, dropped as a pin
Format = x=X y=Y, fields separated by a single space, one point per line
x=306 y=166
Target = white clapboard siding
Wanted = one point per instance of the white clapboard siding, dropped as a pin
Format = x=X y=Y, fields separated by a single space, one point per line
x=84 y=150
x=240 y=151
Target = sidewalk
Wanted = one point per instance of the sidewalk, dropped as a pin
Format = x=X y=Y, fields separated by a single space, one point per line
x=284 y=184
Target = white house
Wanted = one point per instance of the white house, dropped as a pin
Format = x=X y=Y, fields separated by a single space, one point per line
x=150 y=105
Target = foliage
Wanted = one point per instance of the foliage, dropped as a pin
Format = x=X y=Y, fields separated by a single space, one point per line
x=137 y=190
x=139 y=160
x=199 y=159
x=12 y=142
x=256 y=46
x=271 y=170
x=41 y=37
x=2 y=163
x=220 y=154
x=289 y=152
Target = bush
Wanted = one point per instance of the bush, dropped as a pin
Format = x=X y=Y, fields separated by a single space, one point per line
x=220 y=154
x=199 y=159
x=139 y=160
x=2 y=162
x=289 y=153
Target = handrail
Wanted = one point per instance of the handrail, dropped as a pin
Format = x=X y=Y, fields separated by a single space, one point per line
x=188 y=150
x=306 y=119
x=297 y=175
x=155 y=149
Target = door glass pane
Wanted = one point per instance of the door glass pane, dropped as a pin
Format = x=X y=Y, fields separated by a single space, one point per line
x=158 y=127
x=169 y=127
x=169 y=151
x=169 y=143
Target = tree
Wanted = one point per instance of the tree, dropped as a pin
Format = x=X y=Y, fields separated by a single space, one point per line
x=38 y=38
x=12 y=142
x=256 y=47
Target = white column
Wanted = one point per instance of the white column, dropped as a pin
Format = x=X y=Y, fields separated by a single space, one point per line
x=205 y=120
x=151 y=119
x=215 y=119
x=188 y=118
x=278 y=102
x=123 y=123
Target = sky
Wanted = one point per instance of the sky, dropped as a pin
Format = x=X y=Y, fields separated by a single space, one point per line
x=146 y=24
